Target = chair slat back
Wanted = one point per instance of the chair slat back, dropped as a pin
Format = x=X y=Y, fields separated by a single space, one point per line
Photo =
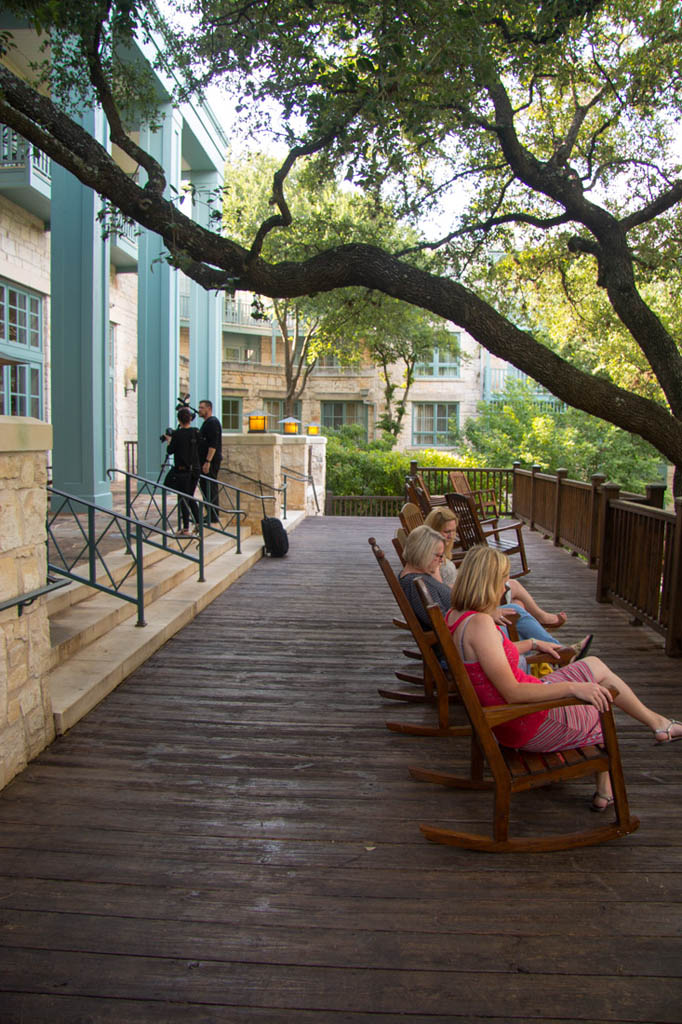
x=460 y=484
x=410 y=516
x=416 y=495
x=468 y=526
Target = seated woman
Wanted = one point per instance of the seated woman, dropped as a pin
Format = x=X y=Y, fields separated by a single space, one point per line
x=444 y=520
x=492 y=663
x=424 y=552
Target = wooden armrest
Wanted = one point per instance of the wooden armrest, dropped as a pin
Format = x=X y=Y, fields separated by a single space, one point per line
x=497 y=714
x=501 y=529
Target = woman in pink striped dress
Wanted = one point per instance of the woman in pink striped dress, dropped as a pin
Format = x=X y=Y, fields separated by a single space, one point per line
x=491 y=661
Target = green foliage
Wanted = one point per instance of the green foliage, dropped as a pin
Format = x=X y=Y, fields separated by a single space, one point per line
x=356 y=466
x=515 y=428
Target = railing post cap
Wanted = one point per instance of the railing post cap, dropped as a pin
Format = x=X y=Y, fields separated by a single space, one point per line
x=598 y=478
x=562 y=472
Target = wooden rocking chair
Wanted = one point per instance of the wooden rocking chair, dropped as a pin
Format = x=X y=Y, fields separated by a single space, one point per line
x=433 y=681
x=410 y=516
x=470 y=531
x=485 y=499
x=416 y=496
x=515 y=771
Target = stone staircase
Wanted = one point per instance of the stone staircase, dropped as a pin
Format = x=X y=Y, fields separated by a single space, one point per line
x=95 y=641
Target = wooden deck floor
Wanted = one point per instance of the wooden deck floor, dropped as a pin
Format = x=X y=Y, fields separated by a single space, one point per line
x=232 y=835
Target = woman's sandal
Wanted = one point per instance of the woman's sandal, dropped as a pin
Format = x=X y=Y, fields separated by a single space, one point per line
x=582 y=648
x=666 y=731
x=599 y=808
x=559 y=620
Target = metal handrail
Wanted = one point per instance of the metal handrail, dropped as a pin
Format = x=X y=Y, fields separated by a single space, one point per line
x=24 y=600
x=131 y=530
x=169 y=507
x=305 y=478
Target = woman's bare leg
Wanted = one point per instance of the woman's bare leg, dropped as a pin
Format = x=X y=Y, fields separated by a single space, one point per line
x=518 y=593
x=628 y=701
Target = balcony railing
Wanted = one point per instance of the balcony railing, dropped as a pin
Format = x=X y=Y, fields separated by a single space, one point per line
x=16 y=153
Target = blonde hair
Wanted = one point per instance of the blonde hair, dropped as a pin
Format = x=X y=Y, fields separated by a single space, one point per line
x=436 y=519
x=479 y=579
x=419 y=547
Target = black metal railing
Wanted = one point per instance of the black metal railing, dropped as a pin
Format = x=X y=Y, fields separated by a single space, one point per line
x=261 y=496
x=304 y=478
x=157 y=505
x=24 y=600
x=86 y=561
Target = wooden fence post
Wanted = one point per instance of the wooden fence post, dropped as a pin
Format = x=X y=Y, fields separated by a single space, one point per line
x=655 y=495
x=531 y=518
x=328 y=503
x=596 y=480
x=515 y=465
x=561 y=475
x=673 y=639
x=609 y=492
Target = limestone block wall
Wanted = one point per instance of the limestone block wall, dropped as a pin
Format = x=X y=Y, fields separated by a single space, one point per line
x=261 y=456
x=26 y=724
x=123 y=316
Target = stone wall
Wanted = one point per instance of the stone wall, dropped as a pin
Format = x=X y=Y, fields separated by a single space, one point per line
x=26 y=724
x=261 y=457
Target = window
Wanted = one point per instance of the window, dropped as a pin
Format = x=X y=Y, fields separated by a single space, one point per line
x=232 y=415
x=274 y=407
x=341 y=414
x=443 y=361
x=433 y=423
x=241 y=348
x=21 y=345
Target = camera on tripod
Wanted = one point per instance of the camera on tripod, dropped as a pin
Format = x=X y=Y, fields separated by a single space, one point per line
x=182 y=403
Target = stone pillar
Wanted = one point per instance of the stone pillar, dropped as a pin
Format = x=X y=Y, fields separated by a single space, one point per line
x=26 y=724
x=306 y=456
x=262 y=456
x=158 y=310
x=206 y=308
x=79 y=332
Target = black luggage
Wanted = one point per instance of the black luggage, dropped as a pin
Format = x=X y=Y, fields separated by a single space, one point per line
x=275 y=539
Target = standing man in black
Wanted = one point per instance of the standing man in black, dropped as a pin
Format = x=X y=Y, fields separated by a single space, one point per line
x=211 y=454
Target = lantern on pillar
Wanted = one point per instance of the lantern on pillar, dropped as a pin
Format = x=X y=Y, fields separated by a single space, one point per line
x=313 y=428
x=257 y=422
x=290 y=424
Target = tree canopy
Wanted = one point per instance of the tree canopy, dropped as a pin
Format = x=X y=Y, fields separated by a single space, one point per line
x=548 y=129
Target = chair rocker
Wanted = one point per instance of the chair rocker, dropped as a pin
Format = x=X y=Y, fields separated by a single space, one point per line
x=514 y=771
x=470 y=531
x=433 y=681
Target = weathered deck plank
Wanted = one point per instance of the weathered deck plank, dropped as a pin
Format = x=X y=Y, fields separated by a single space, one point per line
x=232 y=835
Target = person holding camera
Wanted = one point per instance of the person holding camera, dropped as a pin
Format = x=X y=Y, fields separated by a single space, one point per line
x=210 y=453
x=183 y=445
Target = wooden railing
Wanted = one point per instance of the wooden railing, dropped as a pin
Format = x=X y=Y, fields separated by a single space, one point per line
x=569 y=511
x=362 y=504
x=640 y=565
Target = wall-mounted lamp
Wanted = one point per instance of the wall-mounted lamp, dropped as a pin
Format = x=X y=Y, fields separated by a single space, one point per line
x=291 y=425
x=313 y=428
x=130 y=379
x=257 y=422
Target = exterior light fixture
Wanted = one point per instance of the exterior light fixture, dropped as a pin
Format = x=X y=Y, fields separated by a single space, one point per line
x=291 y=425
x=313 y=428
x=257 y=422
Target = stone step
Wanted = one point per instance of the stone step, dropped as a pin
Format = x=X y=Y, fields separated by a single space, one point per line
x=77 y=685
x=87 y=617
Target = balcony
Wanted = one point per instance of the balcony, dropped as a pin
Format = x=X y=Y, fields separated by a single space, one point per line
x=123 y=246
x=25 y=174
x=495 y=380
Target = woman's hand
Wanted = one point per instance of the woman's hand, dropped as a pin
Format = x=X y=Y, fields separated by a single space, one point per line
x=504 y=616
x=594 y=693
x=545 y=647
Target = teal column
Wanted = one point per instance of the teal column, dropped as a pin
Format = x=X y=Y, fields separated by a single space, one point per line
x=206 y=308
x=158 y=342
x=79 y=305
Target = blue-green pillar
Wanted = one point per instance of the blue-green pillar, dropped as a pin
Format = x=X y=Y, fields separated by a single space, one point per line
x=158 y=342
x=206 y=308
x=79 y=329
